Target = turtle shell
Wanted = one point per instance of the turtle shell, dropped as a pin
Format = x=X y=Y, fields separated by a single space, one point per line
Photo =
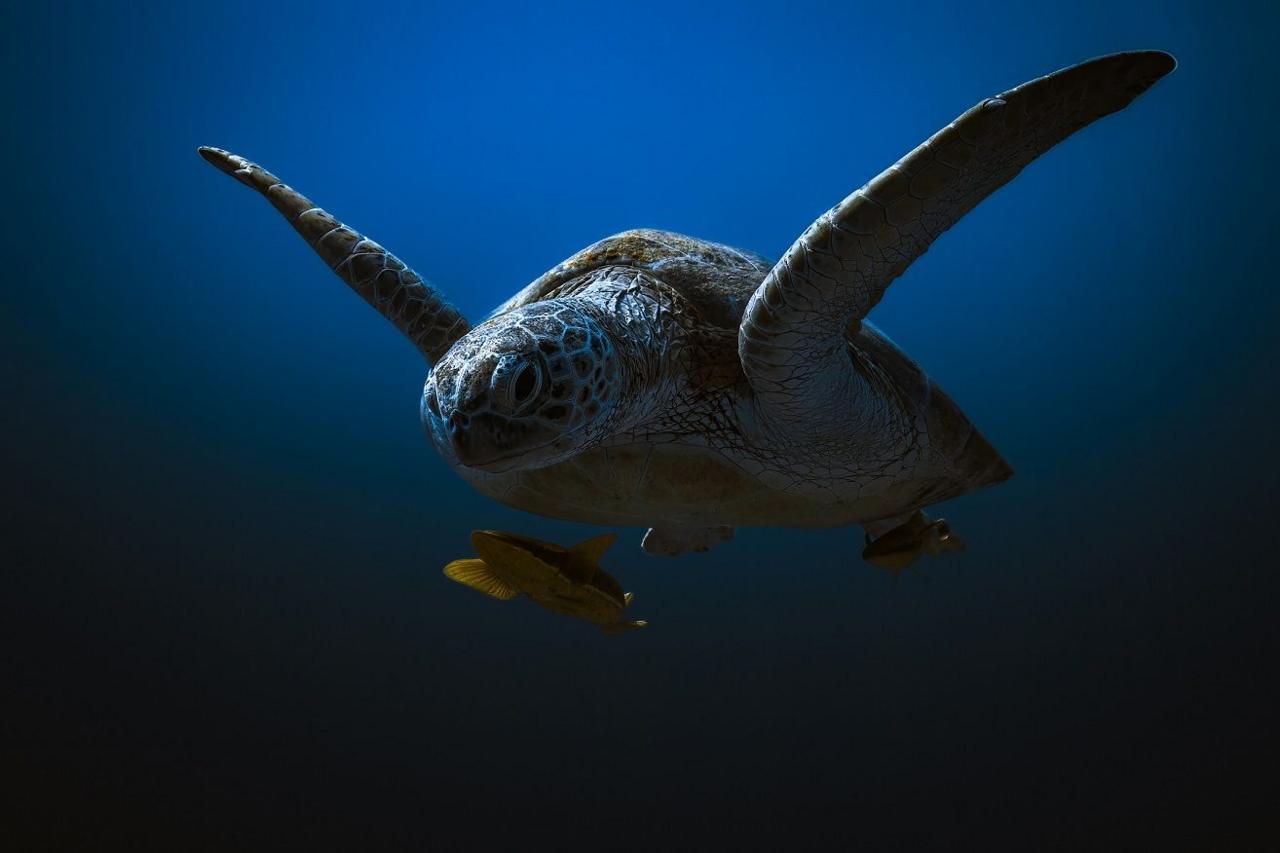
x=716 y=280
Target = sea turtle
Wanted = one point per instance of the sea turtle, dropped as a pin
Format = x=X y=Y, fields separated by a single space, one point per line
x=569 y=581
x=659 y=380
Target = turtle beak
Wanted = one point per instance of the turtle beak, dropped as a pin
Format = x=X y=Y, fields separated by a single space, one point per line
x=468 y=438
x=493 y=443
x=477 y=441
x=456 y=427
x=459 y=417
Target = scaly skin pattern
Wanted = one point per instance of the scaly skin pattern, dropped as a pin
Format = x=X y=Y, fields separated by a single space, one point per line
x=656 y=379
x=546 y=380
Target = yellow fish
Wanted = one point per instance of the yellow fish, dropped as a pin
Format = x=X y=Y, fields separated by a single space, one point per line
x=568 y=581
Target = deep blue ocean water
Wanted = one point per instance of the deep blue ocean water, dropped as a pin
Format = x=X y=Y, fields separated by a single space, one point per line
x=224 y=616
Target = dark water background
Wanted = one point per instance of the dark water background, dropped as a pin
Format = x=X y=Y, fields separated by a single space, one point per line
x=223 y=615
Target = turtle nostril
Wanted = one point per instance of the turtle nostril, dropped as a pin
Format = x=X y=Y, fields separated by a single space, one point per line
x=457 y=421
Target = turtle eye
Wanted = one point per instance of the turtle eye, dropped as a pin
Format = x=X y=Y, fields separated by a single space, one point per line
x=524 y=386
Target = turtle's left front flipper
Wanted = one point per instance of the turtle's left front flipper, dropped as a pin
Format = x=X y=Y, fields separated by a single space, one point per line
x=791 y=340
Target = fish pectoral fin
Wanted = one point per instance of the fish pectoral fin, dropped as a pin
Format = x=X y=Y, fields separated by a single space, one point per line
x=475 y=573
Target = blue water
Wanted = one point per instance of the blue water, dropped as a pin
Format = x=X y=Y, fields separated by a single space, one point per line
x=225 y=614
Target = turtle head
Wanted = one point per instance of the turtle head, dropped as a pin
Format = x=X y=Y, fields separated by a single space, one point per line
x=525 y=389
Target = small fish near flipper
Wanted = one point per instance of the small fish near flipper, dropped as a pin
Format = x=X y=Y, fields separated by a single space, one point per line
x=565 y=580
x=906 y=543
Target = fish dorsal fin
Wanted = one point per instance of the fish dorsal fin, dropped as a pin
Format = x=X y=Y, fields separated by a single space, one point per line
x=592 y=550
x=476 y=574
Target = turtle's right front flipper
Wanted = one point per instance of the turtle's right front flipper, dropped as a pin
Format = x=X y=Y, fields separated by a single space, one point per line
x=395 y=291
x=792 y=337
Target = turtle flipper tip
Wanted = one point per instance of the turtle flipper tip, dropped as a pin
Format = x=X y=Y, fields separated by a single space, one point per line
x=1164 y=61
x=219 y=158
x=242 y=170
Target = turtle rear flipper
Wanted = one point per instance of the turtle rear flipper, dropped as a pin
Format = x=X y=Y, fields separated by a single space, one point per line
x=939 y=539
x=897 y=549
